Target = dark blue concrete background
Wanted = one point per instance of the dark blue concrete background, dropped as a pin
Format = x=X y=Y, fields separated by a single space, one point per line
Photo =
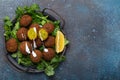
x=92 y=26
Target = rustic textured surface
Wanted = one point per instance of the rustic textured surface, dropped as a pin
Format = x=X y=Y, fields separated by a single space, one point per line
x=92 y=26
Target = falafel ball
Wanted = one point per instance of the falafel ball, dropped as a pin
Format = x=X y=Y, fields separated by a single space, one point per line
x=11 y=45
x=22 y=34
x=25 y=20
x=49 y=27
x=50 y=42
x=48 y=53
x=36 y=43
x=36 y=26
x=25 y=47
x=36 y=56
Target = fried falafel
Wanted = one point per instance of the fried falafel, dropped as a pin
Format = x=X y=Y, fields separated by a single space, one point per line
x=49 y=27
x=36 y=56
x=36 y=26
x=48 y=53
x=22 y=34
x=50 y=42
x=25 y=47
x=36 y=43
x=25 y=20
x=11 y=45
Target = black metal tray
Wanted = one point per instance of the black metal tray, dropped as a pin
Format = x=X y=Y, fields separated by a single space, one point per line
x=47 y=12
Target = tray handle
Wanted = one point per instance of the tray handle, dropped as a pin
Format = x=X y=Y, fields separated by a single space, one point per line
x=62 y=21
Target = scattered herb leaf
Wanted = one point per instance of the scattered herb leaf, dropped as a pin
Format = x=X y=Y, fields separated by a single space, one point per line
x=66 y=41
x=49 y=71
x=14 y=55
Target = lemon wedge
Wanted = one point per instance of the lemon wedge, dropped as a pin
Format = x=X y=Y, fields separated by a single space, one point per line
x=59 y=42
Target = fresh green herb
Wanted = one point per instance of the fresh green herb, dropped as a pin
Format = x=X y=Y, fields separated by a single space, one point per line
x=42 y=65
x=19 y=54
x=34 y=7
x=17 y=26
x=57 y=27
x=29 y=10
x=9 y=32
x=7 y=21
x=26 y=61
x=19 y=12
x=56 y=23
x=14 y=31
x=39 y=18
x=7 y=27
x=43 y=22
x=56 y=60
x=49 y=70
x=14 y=55
x=6 y=18
x=66 y=42
x=41 y=48
x=50 y=66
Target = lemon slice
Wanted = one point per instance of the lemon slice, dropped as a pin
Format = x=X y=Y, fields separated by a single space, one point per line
x=59 y=42
x=43 y=34
x=32 y=33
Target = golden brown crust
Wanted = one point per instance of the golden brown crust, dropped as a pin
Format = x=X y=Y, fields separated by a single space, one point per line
x=38 y=42
x=38 y=56
x=23 y=47
x=49 y=27
x=50 y=42
x=11 y=45
x=25 y=20
x=36 y=26
x=22 y=34
x=48 y=55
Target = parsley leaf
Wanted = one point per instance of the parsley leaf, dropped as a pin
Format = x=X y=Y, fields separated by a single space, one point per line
x=66 y=42
x=26 y=9
x=7 y=27
x=41 y=66
x=14 y=31
x=49 y=71
x=57 y=27
x=19 y=12
x=14 y=55
x=34 y=7
x=21 y=59
x=26 y=61
x=57 y=59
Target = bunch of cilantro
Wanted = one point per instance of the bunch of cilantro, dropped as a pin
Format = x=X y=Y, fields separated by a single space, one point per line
x=10 y=32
